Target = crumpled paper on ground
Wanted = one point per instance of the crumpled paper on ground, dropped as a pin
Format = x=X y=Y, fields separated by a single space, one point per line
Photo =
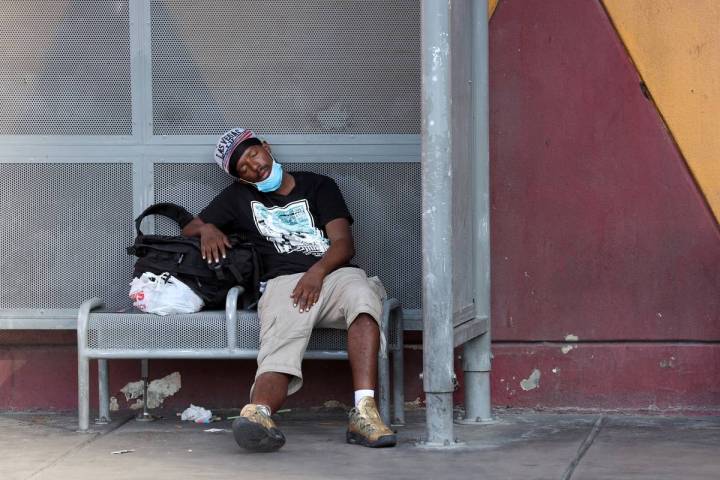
x=196 y=414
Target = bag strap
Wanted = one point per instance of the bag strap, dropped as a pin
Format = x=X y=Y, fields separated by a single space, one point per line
x=256 y=274
x=169 y=210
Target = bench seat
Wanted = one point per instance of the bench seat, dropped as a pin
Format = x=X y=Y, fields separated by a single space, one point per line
x=222 y=334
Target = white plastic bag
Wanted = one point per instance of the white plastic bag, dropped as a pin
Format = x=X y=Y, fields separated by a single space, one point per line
x=163 y=295
x=196 y=414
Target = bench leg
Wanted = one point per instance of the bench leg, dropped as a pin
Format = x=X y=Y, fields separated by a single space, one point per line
x=384 y=368
x=398 y=374
x=103 y=393
x=384 y=389
x=83 y=393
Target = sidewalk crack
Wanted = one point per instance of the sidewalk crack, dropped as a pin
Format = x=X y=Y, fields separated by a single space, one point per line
x=584 y=446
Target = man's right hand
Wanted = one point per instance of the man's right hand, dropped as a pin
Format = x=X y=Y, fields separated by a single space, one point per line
x=213 y=243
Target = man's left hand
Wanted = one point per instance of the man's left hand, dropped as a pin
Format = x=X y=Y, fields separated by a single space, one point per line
x=307 y=290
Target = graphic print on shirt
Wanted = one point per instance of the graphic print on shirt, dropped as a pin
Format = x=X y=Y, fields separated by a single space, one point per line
x=290 y=228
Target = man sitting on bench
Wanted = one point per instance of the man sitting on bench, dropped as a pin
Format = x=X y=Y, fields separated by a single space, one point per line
x=300 y=226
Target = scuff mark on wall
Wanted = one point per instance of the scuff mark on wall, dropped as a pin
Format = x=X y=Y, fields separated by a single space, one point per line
x=668 y=363
x=532 y=382
x=569 y=338
x=158 y=390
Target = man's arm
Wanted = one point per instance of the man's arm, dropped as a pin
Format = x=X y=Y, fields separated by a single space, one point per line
x=341 y=250
x=212 y=240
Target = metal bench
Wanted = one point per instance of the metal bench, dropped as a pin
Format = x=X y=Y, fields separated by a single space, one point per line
x=231 y=333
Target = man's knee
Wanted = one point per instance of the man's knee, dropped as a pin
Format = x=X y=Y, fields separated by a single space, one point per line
x=365 y=322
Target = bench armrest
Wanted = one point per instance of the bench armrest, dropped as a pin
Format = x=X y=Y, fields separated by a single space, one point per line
x=231 y=315
x=82 y=321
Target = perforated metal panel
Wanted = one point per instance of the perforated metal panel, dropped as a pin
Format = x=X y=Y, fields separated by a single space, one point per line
x=286 y=66
x=204 y=330
x=248 y=327
x=63 y=233
x=384 y=199
x=65 y=68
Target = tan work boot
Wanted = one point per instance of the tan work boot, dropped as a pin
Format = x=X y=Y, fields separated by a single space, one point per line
x=367 y=428
x=255 y=430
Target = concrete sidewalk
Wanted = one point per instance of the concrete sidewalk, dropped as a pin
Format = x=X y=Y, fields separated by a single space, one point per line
x=516 y=446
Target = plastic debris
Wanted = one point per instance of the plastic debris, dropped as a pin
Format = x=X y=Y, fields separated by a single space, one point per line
x=120 y=452
x=196 y=414
x=216 y=430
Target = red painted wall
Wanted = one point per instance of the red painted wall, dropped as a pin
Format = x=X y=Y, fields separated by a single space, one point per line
x=598 y=229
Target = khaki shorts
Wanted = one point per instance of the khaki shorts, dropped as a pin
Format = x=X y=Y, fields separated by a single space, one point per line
x=285 y=332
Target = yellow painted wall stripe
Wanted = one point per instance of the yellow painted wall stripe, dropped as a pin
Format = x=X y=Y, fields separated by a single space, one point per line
x=492 y=5
x=676 y=47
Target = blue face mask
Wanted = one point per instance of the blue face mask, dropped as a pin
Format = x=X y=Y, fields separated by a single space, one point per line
x=273 y=181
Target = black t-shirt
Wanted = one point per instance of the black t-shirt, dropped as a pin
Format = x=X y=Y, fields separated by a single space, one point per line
x=287 y=230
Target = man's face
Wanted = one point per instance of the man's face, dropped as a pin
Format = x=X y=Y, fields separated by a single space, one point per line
x=255 y=163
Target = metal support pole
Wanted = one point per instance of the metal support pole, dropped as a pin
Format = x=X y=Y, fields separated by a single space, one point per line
x=231 y=315
x=476 y=356
x=476 y=368
x=437 y=222
x=84 y=363
x=398 y=375
x=83 y=393
x=384 y=365
x=144 y=416
x=103 y=393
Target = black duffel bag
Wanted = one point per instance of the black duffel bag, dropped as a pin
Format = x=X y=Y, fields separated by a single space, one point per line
x=182 y=258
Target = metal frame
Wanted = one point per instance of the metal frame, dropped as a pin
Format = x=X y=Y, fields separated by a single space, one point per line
x=445 y=328
x=437 y=303
x=476 y=355
x=392 y=318
x=143 y=149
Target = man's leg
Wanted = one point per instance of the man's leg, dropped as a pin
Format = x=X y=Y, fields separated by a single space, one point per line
x=282 y=343
x=366 y=427
x=363 y=346
x=354 y=302
x=255 y=430
x=271 y=390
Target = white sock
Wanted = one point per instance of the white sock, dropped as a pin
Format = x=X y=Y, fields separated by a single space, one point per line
x=360 y=394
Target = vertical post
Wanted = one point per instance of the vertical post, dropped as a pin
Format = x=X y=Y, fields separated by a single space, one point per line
x=384 y=366
x=84 y=363
x=476 y=355
x=103 y=393
x=141 y=85
x=437 y=222
x=144 y=416
x=398 y=375
x=231 y=309
x=83 y=393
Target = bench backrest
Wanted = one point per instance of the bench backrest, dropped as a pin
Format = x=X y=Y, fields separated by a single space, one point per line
x=384 y=199
x=69 y=224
